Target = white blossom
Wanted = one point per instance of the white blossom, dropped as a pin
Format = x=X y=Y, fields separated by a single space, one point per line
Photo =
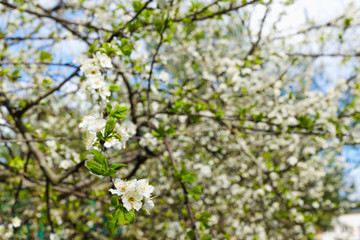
x=92 y=123
x=96 y=82
x=148 y=140
x=144 y=188
x=89 y=68
x=104 y=60
x=65 y=164
x=132 y=199
x=16 y=222
x=148 y=205
x=133 y=192
x=292 y=160
x=90 y=140
x=122 y=186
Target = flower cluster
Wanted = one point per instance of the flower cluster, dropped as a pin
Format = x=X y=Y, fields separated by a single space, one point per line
x=95 y=80
x=134 y=194
x=93 y=124
x=102 y=134
x=120 y=139
x=148 y=140
x=7 y=232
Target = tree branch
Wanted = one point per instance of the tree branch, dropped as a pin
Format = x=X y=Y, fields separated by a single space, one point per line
x=230 y=9
x=186 y=194
x=37 y=101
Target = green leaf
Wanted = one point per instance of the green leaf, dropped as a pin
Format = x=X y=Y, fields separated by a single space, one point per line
x=137 y=5
x=159 y=26
x=111 y=223
x=108 y=49
x=95 y=168
x=305 y=121
x=347 y=22
x=126 y=217
x=199 y=107
x=109 y=127
x=126 y=47
x=114 y=201
x=129 y=215
x=117 y=165
x=114 y=88
x=22 y=103
x=204 y=219
x=258 y=117
x=108 y=107
x=110 y=173
x=100 y=158
x=196 y=190
x=219 y=114
x=121 y=217
x=93 y=48
x=4 y=71
x=171 y=130
x=16 y=73
x=45 y=56
x=191 y=234
x=100 y=136
x=46 y=82
x=113 y=219
x=118 y=112
x=188 y=177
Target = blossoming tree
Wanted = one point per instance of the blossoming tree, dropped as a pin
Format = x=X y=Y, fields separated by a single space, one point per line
x=172 y=119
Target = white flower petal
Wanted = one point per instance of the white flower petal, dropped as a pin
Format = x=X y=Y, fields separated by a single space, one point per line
x=115 y=191
x=137 y=205
x=127 y=205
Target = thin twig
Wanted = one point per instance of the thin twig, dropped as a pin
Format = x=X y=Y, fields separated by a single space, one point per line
x=38 y=140
x=316 y=55
x=227 y=10
x=39 y=63
x=154 y=59
x=37 y=101
x=56 y=18
x=20 y=184
x=185 y=191
x=47 y=196
x=120 y=31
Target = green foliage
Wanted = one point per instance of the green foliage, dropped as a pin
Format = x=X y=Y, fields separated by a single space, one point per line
x=100 y=158
x=160 y=132
x=115 y=166
x=114 y=88
x=119 y=215
x=108 y=49
x=181 y=106
x=118 y=112
x=109 y=127
x=95 y=167
x=347 y=22
x=191 y=234
x=196 y=192
x=188 y=176
x=99 y=165
x=125 y=46
x=45 y=56
x=219 y=113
